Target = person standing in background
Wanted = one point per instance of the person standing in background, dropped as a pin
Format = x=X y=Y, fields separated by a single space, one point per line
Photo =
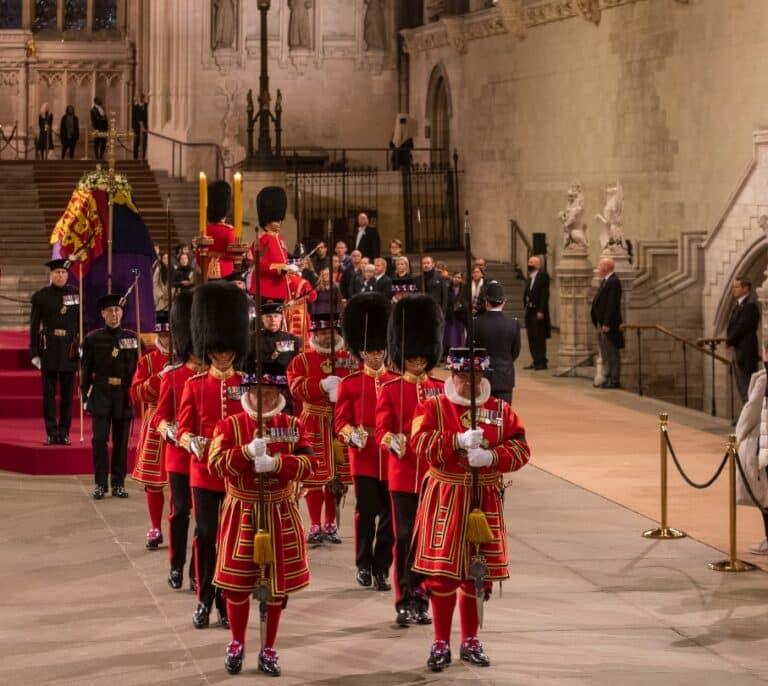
x=100 y=124
x=45 y=136
x=741 y=335
x=140 y=125
x=69 y=132
x=536 y=303
x=606 y=317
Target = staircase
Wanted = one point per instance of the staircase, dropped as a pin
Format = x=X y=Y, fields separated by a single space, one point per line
x=33 y=196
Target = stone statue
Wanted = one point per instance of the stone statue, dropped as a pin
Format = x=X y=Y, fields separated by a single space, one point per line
x=612 y=234
x=299 y=30
x=375 y=26
x=574 y=231
x=224 y=24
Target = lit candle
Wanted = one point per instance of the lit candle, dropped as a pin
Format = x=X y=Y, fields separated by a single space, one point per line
x=203 y=203
x=238 y=208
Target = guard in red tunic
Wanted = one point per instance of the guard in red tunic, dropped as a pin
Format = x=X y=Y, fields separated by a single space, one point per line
x=312 y=382
x=220 y=262
x=451 y=508
x=296 y=309
x=415 y=335
x=274 y=266
x=176 y=459
x=145 y=390
x=260 y=474
x=365 y=332
x=220 y=337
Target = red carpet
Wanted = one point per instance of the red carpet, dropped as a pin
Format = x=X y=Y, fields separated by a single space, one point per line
x=22 y=430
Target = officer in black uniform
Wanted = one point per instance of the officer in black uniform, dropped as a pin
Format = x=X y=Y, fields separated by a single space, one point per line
x=277 y=346
x=110 y=356
x=53 y=333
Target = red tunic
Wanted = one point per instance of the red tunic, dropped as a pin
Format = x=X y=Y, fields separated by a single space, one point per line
x=171 y=390
x=406 y=473
x=440 y=546
x=235 y=568
x=305 y=372
x=355 y=407
x=208 y=398
x=272 y=263
x=145 y=389
x=296 y=310
x=220 y=262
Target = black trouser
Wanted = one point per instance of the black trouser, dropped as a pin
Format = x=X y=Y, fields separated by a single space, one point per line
x=120 y=429
x=373 y=544
x=181 y=508
x=537 y=338
x=66 y=383
x=67 y=147
x=404 y=514
x=207 y=507
x=139 y=140
x=99 y=146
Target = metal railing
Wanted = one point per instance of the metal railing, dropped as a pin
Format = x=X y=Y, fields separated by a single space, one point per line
x=178 y=148
x=339 y=159
x=685 y=344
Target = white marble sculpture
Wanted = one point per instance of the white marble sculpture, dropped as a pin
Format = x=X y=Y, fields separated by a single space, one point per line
x=612 y=232
x=574 y=232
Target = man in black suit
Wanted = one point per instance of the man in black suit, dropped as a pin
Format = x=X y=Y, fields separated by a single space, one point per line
x=606 y=317
x=501 y=338
x=367 y=240
x=99 y=123
x=434 y=284
x=741 y=335
x=139 y=124
x=382 y=283
x=536 y=303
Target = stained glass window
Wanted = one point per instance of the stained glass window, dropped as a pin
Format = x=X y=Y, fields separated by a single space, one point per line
x=75 y=15
x=10 y=14
x=104 y=14
x=45 y=15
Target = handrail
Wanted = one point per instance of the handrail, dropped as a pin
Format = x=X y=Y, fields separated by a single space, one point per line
x=221 y=167
x=687 y=343
x=517 y=234
x=339 y=155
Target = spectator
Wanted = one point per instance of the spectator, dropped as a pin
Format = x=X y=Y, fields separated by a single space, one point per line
x=323 y=303
x=395 y=251
x=367 y=240
x=480 y=262
x=45 y=135
x=184 y=276
x=320 y=259
x=456 y=317
x=308 y=271
x=477 y=289
x=140 y=125
x=368 y=280
x=99 y=124
x=160 y=282
x=69 y=132
x=741 y=335
x=341 y=252
x=434 y=284
x=402 y=268
x=536 y=302
x=382 y=283
x=352 y=279
x=442 y=269
x=606 y=318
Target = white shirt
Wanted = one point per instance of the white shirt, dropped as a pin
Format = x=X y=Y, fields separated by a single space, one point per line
x=360 y=234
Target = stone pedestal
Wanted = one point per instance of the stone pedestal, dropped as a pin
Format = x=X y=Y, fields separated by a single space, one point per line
x=574 y=275
x=253 y=182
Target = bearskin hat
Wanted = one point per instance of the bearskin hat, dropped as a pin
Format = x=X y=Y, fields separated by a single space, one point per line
x=271 y=203
x=219 y=200
x=181 y=315
x=220 y=319
x=416 y=330
x=375 y=308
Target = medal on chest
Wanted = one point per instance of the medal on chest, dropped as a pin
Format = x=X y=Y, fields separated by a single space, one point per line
x=63 y=310
x=115 y=352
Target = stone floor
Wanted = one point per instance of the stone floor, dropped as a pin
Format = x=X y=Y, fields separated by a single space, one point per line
x=589 y=600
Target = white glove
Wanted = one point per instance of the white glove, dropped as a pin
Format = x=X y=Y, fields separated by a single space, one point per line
x=292 y=268
x=257 y=447
x=36 y=362
x=264 y=463
x=170 y=434
x=197 y=445
x=470 y=439
x=479 y=457
x=359 y=438
x=330 y=384
x=398 y=444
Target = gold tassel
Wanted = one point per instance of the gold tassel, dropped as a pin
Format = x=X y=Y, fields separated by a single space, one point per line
x=478 y=529
x=262 y=548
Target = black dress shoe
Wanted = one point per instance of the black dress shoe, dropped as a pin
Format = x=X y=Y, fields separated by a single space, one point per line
x=404 y=617
x=331 y=535
x=380 y=582
x=64 y=439
x=223 y=619
x=539 y=367
x=119 y=492
x=439 y=656
x=472 y=652
x=99 y=492
x=268 y=662
x=363 y=577
x=51 y=440
x=175 y=578
x=201 y=617
x=421 y=615
x=233 y=662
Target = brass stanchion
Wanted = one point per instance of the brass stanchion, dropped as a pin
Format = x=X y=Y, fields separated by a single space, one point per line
x=733 y=564
x=663 y=531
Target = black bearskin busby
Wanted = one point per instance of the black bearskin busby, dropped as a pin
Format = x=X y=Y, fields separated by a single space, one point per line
x=417 y=322
x=220 y=320
x=353 y=323
x=219 y=201
x=271 y=203
x=181 y=317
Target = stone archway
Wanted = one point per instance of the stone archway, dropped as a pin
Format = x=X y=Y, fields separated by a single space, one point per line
x=439 y=111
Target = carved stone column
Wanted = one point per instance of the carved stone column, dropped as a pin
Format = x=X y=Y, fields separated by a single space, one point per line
x=574 y=275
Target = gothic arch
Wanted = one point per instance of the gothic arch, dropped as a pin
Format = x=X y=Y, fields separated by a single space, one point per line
x=751 y=265
x=439 y=111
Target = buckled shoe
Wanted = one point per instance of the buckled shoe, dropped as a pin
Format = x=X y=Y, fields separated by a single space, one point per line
x=472 y=652
x=268 y=662
x=154 y=539
x=363 y=577
x=119 y=492
x=421 y=613
x=64 y=438
x=404 y=617
x=99 y=492
x=233 y=662
x=439 y=656
x=315 y=535
x=201 y=617
x=331 y=534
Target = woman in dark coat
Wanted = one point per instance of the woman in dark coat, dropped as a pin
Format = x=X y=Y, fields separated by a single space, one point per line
x=45 y=136
x=69 y=132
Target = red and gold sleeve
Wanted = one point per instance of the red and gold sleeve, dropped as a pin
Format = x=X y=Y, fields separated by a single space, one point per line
x=387 y=420
x=273 y=257
x=344 y=412
x=187 y=417
x=513 y=452
x=431 y=438
x=164 y=413
x=303 y=385
x=139 y=378
x=226 y=453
